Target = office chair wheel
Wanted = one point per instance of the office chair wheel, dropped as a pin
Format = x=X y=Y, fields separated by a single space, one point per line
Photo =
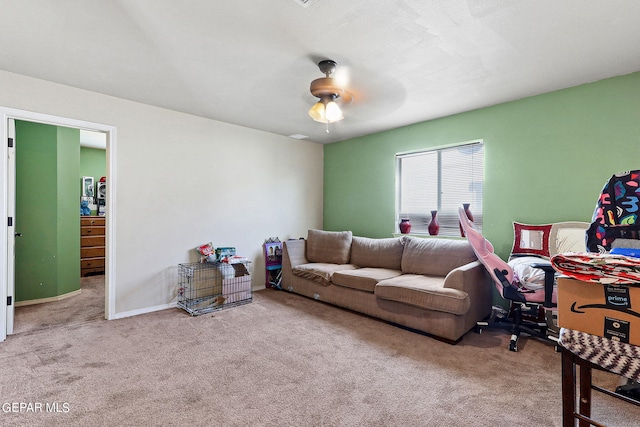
x=513 y=346
x=480 y=326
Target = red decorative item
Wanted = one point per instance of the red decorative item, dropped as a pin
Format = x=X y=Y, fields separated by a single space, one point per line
x=469 y=215
x=434 y=225
x=405 y=225
x=536 y=241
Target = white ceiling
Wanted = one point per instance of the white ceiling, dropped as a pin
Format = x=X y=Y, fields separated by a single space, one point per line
x=250 y=62
x=92 y=139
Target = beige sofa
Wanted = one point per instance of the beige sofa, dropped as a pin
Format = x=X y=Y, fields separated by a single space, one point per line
x=436 y=286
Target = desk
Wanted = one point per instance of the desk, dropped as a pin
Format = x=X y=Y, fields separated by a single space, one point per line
x=573 y=344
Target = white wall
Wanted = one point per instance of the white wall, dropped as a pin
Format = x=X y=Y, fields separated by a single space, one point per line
x=183 y=181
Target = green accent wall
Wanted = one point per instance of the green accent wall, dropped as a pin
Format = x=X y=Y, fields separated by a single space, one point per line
x=47 y=256
x=547 y=158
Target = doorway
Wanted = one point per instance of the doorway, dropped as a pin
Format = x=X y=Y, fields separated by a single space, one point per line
x=7 y=189
x=52 y=283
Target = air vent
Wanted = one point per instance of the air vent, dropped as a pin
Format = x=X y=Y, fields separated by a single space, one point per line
x=304 y=3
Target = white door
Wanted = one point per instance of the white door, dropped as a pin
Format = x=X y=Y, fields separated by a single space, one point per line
x=11 y=232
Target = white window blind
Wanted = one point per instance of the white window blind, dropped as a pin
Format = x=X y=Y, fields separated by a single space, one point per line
x=442 y=180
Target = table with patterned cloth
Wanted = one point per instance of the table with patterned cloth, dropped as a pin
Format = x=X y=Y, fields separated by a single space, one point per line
x=591 y=351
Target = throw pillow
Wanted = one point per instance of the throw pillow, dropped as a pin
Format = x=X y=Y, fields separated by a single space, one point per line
x=380 y=253
x=333 y=247
x=531 y=239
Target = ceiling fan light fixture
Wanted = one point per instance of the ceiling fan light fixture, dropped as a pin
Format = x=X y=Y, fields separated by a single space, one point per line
x=317 y=112
x=326 y=110
x=333 y=113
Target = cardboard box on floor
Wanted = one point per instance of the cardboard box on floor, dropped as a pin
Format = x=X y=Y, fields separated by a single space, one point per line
x=237 y=289
x=604 y=310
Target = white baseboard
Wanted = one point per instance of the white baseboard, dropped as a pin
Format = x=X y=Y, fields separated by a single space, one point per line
x=144 y=310
x=159 y=307
x=49 y=299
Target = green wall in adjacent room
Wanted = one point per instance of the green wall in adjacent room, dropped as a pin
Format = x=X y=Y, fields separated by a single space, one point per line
x=68 y=210
x=47 y=256
x=546 y=159
x=93 y=162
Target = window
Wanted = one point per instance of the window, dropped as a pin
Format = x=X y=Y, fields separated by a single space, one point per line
x=440 y=179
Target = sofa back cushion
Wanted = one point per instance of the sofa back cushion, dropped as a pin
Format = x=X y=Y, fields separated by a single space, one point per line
x=333 y=247
x=435 y=257
x=380 y=253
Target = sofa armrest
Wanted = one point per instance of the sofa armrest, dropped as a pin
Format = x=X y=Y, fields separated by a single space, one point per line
x=294 y=253
x=473 y=279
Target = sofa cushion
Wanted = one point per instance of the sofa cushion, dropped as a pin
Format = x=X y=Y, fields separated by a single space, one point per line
x=333 y=247
x=435 y=257
x=363 y=279
x=320 y=272
x=425 y=292
x=382 y=253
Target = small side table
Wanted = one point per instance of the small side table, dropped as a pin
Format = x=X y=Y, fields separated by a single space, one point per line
x=582 y=350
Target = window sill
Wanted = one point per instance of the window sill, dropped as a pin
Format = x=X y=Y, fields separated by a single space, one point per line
x=428 y=236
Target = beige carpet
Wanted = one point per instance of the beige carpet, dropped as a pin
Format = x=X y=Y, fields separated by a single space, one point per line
x=84 y=307
x=282 y=360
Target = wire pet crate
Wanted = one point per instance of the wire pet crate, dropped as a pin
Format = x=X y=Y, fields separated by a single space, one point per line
x=206 y=287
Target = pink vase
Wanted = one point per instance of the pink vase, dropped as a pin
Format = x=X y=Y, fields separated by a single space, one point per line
x=469 y=215
x=405 y=226
x=434 y=225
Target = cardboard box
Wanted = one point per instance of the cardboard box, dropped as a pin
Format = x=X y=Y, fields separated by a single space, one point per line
x=206 y=282
x=237 y=289
x=604 y=310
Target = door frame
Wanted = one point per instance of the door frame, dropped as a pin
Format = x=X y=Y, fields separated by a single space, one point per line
x=6 y=253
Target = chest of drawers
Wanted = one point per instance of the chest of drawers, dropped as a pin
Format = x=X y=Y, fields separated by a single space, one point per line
x=92 y=238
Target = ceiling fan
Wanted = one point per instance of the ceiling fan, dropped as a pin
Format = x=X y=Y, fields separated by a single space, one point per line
x=331 y=93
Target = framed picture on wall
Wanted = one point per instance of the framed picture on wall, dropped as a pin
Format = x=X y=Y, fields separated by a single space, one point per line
x=87 y=186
